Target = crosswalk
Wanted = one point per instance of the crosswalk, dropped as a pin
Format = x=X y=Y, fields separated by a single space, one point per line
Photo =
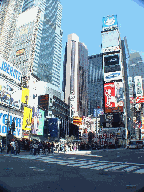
x=88 y=164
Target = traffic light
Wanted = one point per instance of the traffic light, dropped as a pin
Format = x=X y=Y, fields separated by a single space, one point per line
x=13 y=126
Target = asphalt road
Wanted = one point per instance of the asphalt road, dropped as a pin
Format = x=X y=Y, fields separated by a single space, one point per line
x=104 y=170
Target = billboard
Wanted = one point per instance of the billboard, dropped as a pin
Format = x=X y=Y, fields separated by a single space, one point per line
x=37 y=122
x=109 y=22
x=10 y=94
x=138 y=86
x=18 y=123
x=9 y=70
x=110 y=41
x=130 y=83
x=33 y=94
x=25 y=96
x=53 y=127
x=113 y=95
x=112 y=67
x=43 y=101
x=20 y=52
x=27 y=119
x=98 y=112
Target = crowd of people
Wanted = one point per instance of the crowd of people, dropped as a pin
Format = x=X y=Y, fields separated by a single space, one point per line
x=44 y=147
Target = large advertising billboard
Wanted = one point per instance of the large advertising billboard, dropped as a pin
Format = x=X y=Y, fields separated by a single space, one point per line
x=9 y=70
x=113 y=95
x=10 y=94
x=18 y=123
x=110 y=41
x=27 y=119
x=53 y=127
x=112 y=67
x=25 y=96
x=43 y=101
x=33 y=94
x=37 y=122
x=109 y=22
x=130 y=83
x=138 y=86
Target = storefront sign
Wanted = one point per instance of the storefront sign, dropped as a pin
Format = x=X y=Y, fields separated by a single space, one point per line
x=3 y=126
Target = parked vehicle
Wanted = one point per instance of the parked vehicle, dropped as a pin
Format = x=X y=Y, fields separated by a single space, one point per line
x=135 y=144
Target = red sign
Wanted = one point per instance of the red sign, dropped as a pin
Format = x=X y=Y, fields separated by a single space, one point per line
x=113 y=95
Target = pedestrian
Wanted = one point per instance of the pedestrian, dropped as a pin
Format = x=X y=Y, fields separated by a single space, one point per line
x=17 y=148
x=35 y=148
x=1 y=147
x=31 y=148
x=12 y=146
x=52 y=147
x=49 y=147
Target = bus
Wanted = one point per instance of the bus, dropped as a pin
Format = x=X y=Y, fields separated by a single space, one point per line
x=135 y=144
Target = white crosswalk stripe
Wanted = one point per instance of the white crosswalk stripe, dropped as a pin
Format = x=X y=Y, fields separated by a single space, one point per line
x=88 y=164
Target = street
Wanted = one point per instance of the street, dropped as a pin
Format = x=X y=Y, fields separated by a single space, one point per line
x=104 y=170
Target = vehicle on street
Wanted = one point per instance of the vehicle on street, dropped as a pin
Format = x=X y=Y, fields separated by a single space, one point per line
x=135 y=144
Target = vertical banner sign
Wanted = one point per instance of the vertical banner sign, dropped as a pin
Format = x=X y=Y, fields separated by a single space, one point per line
x=18 y=123
x=27 y=119
x=138 y=86
x=38 y=122
x=113 y=95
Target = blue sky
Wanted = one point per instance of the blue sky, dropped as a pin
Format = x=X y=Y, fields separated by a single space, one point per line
x=84 y=18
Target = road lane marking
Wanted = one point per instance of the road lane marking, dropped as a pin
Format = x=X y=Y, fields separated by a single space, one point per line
x=116 y=167
x=131 y=168
x=140 y=171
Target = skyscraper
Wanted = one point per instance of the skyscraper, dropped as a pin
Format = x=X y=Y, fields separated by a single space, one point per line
x=75 y=77
x=10 y=9
x=44 y=59
x=95 y=83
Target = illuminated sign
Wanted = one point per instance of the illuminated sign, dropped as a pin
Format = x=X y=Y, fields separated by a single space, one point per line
x=10 y=94
x=38 y=122
x=109 y=22
x=10 y=71
x=43 y=101
x=112 y=67
x=20 y=52
x=18 y=123
x=25 y=96
x=27 y=119
x=138 y=86
x=113 y=95
x=110 y=41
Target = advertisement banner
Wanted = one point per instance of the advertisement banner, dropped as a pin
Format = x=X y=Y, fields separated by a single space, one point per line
x=9 y=70
x=27 y=118
x=10 y=94
x=53 y=127
x=130 y=83
x=138 y=86
x=112 y=67
x=110 y=40
x=109 y=22
x=43 y=101
x=33 y=94
x=25 y=96
x=98 y=112
x=113 y=95
x=18 y=123
x=38 y=122
x=112 y=76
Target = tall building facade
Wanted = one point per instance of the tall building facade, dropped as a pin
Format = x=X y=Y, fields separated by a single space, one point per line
x=95 y=83
x=10 y=9
x=42 y=37
x=26 y=45
x=75 y=77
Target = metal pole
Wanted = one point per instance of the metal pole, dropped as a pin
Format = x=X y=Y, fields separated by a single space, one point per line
x=7 y=124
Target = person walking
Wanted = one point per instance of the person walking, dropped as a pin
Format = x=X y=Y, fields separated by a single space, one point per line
x=49 y=147
x=52 y=147
x=35 y=148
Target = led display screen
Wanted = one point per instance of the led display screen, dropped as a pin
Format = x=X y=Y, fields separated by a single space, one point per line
x=111 y=63
x=113 y=95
